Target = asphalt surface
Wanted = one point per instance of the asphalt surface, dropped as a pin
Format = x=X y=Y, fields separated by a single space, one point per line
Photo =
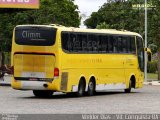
x=145 y=101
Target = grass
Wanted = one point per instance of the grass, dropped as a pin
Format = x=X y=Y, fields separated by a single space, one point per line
x=152 y=76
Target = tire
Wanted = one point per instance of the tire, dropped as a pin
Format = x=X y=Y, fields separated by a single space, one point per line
x=91 y=88
x=81 y=88
x=1 y=74
x=43 y=93
x=128 y=90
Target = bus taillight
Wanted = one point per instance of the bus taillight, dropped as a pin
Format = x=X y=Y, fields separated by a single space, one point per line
x=56 y=72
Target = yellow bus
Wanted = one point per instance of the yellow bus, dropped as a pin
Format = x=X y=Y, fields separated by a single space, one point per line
x=52 y=58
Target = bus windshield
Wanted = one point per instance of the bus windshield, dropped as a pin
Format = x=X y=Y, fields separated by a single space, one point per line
x=36 y=36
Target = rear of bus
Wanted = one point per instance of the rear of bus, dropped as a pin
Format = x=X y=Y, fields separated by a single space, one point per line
x=34 y=56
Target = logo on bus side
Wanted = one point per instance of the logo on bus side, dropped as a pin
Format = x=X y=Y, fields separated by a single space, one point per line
x=83 y=44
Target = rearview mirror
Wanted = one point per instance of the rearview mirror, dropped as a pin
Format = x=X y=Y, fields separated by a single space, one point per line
x=149 y=54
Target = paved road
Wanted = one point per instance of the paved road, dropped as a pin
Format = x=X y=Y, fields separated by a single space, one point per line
x=145 y=100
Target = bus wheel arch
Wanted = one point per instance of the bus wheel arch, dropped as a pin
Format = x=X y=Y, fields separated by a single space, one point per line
x=132 y=84
x=133 y=81
x=81 y=87
x=91 y=86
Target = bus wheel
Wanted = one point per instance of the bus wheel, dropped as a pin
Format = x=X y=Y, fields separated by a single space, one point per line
x=91 y=87
x=128 y=90
x=81 y=88
x=43 y=93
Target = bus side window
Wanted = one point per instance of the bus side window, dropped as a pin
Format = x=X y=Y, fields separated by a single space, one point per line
x=73 y=42
x=103 y=40
x=110 y=44
x=115 y=44
x=133 y=46
x=106 y=42
x=92 y=43
x=79 y=42
x=89 y=40
x=120 y=45
x=66 y=44
x=95 y=43
x=128 y=44
x=84 y=42
x=124 y=44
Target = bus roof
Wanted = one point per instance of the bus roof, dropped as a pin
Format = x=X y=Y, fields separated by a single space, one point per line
x=73 y=29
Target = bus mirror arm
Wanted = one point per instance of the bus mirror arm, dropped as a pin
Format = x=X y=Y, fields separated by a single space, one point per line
x=149 y=54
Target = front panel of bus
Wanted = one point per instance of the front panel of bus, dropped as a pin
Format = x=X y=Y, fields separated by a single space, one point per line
x=33 y=57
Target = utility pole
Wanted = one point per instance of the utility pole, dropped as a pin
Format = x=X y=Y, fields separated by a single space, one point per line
x=145 y=68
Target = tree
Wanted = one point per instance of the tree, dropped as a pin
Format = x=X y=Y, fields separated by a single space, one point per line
x=102 y=26
x=153 y=48
x=129 y=15
x=62 y=12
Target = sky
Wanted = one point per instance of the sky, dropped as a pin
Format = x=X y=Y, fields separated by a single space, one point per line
x=88 y=6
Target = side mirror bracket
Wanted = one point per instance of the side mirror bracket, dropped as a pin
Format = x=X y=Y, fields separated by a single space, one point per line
x=149 y=53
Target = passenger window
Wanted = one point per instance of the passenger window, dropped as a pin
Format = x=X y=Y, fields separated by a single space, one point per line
x=128 y=45
x=120 y=45
x=73 y=42
x=115 y=44
x=92 y=43
x=133 y=47
x=95 y=44
x=79 y=43
x=84 y=43
x=103 y=40
x=124 y=44
x=64 y=41
x=110 y=44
